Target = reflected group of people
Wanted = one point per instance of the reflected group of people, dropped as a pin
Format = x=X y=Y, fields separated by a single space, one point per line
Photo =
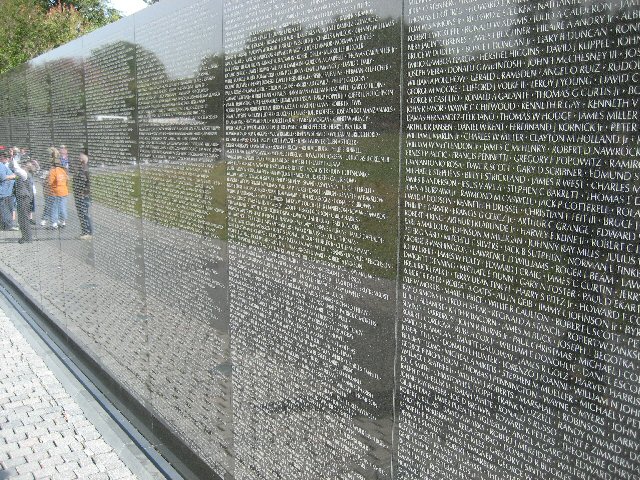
x=18 y=191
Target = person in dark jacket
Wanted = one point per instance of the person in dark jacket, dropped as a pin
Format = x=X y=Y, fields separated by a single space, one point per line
x=24 y=197
x=82 y=196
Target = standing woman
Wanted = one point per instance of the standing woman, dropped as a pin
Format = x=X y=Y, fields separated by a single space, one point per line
x=59 y=190
x=82 y=196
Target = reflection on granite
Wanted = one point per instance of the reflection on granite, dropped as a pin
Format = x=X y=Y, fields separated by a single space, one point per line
x=354 y=239
x=303 y=388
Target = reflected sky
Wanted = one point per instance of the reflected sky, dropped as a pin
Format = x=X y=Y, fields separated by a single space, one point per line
x=156 y=35
x=128 y=7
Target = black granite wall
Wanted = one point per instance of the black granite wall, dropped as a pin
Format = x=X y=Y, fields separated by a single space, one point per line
x=354 y=239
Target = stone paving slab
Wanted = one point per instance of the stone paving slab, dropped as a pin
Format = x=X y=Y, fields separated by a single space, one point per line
x=44 y=430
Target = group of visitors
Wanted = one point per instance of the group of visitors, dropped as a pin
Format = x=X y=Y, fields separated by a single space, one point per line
x=18 y=191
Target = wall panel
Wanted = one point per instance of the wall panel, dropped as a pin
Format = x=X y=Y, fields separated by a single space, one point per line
x=519 y=182
x=353 y=239
x=183 y=191
x=114 y=254
x=312 y=135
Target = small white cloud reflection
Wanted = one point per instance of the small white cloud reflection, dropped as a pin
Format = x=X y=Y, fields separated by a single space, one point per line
x=128 y=7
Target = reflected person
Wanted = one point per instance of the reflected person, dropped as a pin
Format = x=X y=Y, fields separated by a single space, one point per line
x=64 y=157
x=59 y=190
x=82 y=196
x=35 y=168
x=46 y=191
x=24 y=197
x=7 y=179
x=15 y=156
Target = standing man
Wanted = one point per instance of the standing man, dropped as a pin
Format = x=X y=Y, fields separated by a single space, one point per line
x=7 y=179
x=82 y=196
x=24 y=197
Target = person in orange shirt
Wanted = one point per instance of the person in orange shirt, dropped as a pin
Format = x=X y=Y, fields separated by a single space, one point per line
x=59 y=190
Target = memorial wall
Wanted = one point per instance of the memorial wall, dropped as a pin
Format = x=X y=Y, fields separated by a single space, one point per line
x=355 y=239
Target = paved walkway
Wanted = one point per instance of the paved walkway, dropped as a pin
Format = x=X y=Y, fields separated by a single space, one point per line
x=50 y=427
